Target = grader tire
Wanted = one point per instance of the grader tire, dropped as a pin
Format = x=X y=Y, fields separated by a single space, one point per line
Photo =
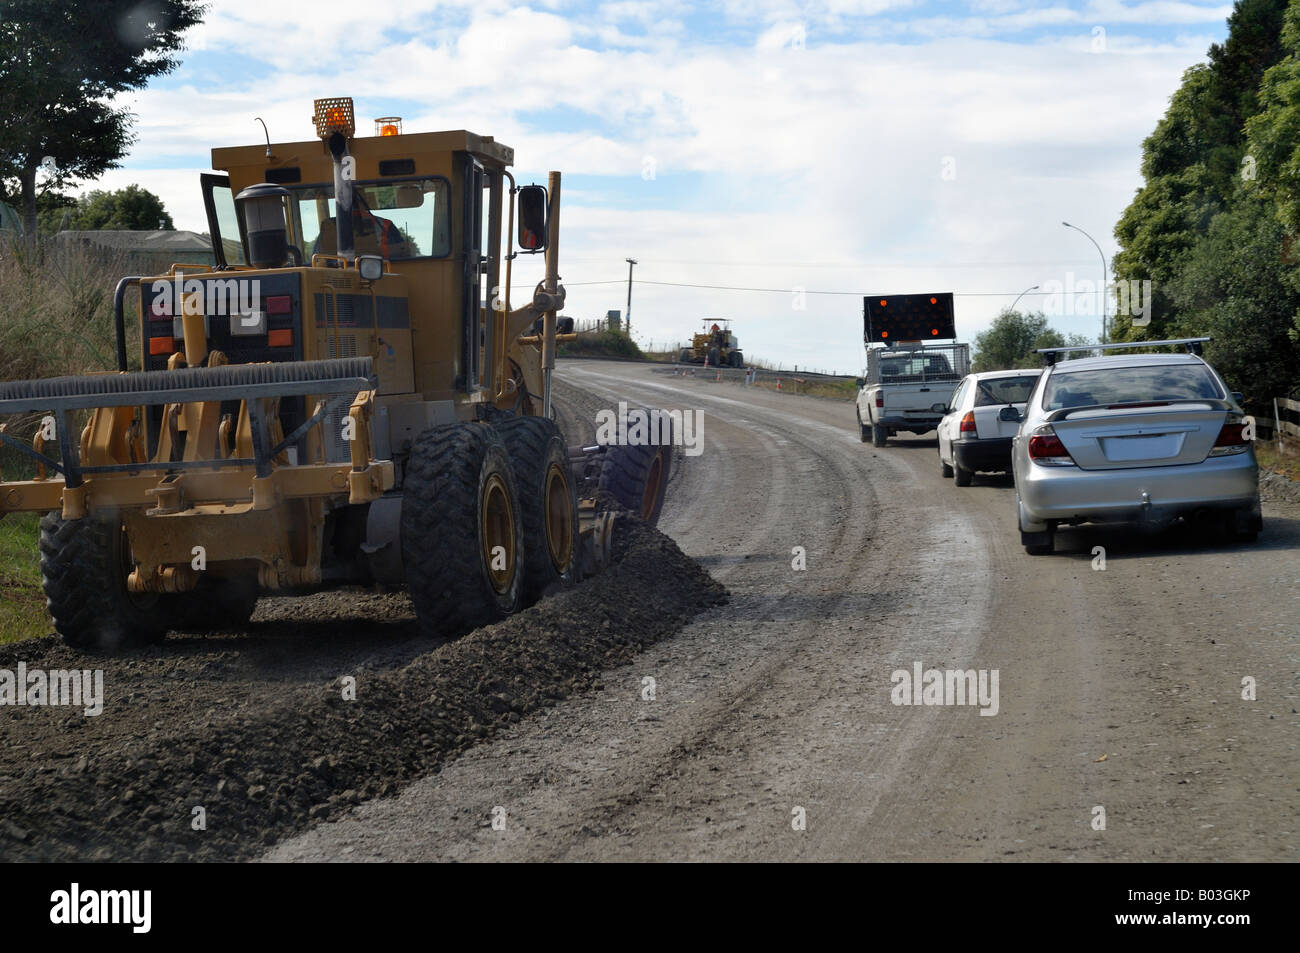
x=636 y=477
x=462 y=535
x=548 y=503
x=84 y=565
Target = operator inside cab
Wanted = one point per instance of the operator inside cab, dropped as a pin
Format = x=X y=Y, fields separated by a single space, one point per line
x=371 y=234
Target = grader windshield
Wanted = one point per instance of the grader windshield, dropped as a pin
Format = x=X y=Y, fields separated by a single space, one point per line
x=396 y=219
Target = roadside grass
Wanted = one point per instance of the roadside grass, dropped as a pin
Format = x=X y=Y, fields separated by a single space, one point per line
x=56 y=318
x=832 y=388
x=22 y=604
x=1285 y=462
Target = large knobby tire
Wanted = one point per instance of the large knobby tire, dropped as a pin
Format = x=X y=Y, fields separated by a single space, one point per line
x=548 y=503
x=714 y=357
x=686 y=356
x=459 y=505
x=636 y=477
x=84 y=565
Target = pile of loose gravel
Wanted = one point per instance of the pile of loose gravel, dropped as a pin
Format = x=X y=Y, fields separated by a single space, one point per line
x=254 y=728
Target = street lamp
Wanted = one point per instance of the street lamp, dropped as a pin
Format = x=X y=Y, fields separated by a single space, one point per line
x=1102 y=290
x=627 y=324
x=1021 y=295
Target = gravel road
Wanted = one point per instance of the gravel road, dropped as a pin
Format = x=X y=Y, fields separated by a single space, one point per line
x=771 y=733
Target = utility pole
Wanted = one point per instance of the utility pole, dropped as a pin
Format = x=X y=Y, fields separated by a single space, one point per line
x=627 y=323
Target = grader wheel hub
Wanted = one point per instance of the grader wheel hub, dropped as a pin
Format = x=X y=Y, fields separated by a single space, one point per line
x=559 y=518
x=653 y=480
x=498 y=533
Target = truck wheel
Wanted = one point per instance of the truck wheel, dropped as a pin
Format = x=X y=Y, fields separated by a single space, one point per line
x=548 y=502
x=636 y=478
x=960 y=475
x=864 y=432
x=462 y=535
x=878 y=435
x=84 y=565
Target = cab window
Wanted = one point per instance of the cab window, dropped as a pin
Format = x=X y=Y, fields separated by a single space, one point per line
x=398 y=220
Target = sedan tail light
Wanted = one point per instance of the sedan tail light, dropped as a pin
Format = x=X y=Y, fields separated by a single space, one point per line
x=1045 y=448
x=1231 y=437
x=968 y=423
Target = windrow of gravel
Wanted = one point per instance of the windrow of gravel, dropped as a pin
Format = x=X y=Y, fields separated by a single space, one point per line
x=257 y=734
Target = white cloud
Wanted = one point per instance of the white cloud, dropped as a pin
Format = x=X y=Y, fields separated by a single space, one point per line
x=823 y=165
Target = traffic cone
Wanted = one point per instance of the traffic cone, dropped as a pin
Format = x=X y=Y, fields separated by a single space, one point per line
x=778 y=383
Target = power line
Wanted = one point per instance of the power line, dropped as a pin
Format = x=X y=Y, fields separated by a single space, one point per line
x=786 y=291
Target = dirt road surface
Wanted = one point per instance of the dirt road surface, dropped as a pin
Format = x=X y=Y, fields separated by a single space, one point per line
x=1120 y=690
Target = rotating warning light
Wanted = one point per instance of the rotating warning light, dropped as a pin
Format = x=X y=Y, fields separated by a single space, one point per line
x=334 y=115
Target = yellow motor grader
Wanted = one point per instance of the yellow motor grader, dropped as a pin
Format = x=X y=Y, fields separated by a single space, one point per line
x=715 y=346
x=347 y=396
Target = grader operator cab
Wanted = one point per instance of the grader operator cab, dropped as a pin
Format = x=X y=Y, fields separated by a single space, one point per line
x=332 y=403
x=715 y=346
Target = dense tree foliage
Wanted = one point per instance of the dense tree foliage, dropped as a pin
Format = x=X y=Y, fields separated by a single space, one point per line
x=61 y=65
x=1214 y=223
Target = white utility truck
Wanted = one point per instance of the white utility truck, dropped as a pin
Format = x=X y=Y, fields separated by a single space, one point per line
x=913 y=364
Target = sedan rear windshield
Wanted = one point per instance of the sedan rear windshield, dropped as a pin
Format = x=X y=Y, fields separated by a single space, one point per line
x=1125 y=385
x=1004 y=390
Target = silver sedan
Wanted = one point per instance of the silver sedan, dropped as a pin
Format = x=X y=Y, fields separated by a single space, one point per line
x=1145 y=438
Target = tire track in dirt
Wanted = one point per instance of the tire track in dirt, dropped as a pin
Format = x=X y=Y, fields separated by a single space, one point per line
x=781 y=699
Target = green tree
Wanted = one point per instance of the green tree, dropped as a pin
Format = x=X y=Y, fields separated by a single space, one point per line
x=61 y=65
x=1195 y=160
x=1237 y=289
x=1012 y=341
x=131 y=208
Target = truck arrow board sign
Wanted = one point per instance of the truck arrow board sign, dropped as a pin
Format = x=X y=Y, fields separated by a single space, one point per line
x=917 y=317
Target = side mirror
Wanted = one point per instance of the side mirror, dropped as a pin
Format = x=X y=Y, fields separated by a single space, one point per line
x=860 y=382
x=1010 y=415
x=371 y=267
x=938 y=408
x=532 y=218
x=1239 y=397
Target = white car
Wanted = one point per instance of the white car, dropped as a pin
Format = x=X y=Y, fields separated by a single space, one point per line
x=972 y=435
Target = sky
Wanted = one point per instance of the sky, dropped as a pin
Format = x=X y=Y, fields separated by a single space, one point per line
x=817 y=152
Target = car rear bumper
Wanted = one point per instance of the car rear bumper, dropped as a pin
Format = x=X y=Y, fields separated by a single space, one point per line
x=905 y=422
x=1139 y=494
x=988 y=454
